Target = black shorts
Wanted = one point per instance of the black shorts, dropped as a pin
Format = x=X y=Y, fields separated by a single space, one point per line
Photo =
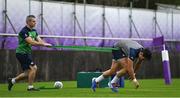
x=25 y=60
x=118 y=54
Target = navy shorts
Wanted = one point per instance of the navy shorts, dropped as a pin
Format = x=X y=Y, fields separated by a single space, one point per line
x=25 y=60
x=118 y=54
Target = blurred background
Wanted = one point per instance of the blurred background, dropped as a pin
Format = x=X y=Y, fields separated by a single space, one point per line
x=131 y=19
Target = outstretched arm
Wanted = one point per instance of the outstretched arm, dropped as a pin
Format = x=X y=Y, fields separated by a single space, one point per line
x=131 y=73
x=129 y=68
x=36 y=43
x=42 y=41
x=137 y=65
x=39 y=39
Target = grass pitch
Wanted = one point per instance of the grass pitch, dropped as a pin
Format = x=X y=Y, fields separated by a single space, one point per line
x=148 y=88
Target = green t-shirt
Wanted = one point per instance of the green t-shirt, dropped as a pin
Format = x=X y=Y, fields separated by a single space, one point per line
x=23 y=46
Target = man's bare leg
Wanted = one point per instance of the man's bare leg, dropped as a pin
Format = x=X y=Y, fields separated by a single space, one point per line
x=12 y=81
x=31 y=76
x=127 y=65
x=108 y=73
x=20 y=77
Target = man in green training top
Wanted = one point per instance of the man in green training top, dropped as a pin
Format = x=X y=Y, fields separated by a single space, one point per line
x=27 y=37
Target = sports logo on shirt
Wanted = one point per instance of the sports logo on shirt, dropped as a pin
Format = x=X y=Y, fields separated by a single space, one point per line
x=26 y=35
x=32 y=63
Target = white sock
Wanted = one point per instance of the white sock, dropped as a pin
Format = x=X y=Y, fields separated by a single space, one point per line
x=30 y=86
x=115 y=79
x=100 y=78
x=13 y=81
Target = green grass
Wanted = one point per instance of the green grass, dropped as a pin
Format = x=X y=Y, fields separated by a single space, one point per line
x=149 y=88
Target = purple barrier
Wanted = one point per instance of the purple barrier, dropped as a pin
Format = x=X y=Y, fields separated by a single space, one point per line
x=159 y=41
x=166 y=67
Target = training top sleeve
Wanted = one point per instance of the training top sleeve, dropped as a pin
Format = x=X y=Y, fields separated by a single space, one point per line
x=24 y=33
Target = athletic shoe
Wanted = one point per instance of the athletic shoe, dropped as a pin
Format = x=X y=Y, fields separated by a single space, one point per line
x=94 y=84
x=10 y=85
x=113 y=87
x=33 y=89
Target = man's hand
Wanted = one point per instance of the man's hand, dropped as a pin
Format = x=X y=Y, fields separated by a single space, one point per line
x=47 y=45
x=135 y=83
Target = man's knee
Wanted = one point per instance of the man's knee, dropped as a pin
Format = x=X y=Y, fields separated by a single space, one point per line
x=34 y=67
x=112 y=71
x=122 y=72
x=108 y=73
x=25 y=73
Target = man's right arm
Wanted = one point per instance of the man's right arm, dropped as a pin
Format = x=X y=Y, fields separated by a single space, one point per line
x=131 y=73
x=29 y=40
x=130 y=69
x=25 y=35
x=137 y=65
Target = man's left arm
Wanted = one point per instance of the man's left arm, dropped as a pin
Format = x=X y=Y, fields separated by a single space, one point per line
x=42 y=41
x=137 y=65
x=39 y=39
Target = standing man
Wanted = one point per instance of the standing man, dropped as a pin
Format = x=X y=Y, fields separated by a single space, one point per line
x=128 y=53
x=27 y=37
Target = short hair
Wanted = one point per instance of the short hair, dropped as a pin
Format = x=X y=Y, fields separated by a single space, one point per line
x=147 y=53
x=29 y=17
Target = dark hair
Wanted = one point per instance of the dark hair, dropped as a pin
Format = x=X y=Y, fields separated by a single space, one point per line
x=29 y=17
x=147 y=53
